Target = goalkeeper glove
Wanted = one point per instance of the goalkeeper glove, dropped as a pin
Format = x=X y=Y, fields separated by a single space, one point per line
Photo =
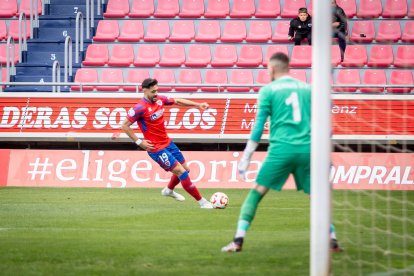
x=245 y=160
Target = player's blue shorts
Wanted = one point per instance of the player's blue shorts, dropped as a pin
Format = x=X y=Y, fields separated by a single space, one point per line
x=168 y=157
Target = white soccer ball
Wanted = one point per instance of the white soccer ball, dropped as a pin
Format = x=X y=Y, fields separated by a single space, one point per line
x=219 y=200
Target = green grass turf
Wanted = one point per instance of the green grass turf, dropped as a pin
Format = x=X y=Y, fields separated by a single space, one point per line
x=46 y=231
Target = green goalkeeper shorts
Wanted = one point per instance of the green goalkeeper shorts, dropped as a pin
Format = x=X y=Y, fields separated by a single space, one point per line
x=279 y=165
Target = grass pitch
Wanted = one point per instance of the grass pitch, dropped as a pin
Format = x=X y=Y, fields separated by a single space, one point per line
x=46 y=231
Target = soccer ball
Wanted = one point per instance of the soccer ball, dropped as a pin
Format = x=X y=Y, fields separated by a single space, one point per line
x=219 y=200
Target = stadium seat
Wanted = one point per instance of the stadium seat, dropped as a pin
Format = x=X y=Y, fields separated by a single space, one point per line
x=369 y=8
x=281 y=32
x=243 y=9
x=132 y=31
x=216 y=77
x=401 y=77
x=96 y=55
x=141 y=9
x=3 y=30
x=335 y=55
x=167 y=8
x=3 y=53
x=147 y=55
x=192 y=8
x=208 y=31
x=262 y=79
x=234 y=31
x=408 y=34
x=243 y=77
x=411 y=10
x=8 y=8
x=355 y=56
x=164 y=76
x=14 y=29
x=111 y=75
x=224 y=55
x=25 y=7
x=271 y=49
x=363 y=31
x=404 y=56
x=395 y=9
x=182 y=31
x=291 y=7
x=188 y=76
x=121 y=55
x=388 y=31
x=259 y=31
x=347 y=77
x=135 y=76
x=301 y=56
x=376 y=77
x=85 y=76
x=198 y=56
x=349 y=7
x=117 y=9
x=172 y=55
x=107 y=31
x=250 y=56
x=268 y=9
x=298 y=74
x=381 y=56
x=217 y=9
x=157 y=31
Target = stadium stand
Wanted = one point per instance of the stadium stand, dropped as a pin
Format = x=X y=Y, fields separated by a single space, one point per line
x=141 y=9
x=388 y=31
x=408 y=34
x=401 y=77
x=268 y=9
x=347 y=77
x=369 y=8
x=131 y=31
x=135 y=76
x=182 y=31
x=363 y=31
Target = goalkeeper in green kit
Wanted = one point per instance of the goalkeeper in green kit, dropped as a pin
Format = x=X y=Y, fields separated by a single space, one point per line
x=287 y=103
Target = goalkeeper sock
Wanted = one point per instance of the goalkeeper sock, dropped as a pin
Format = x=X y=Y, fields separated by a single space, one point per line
x=332 y=231
x=247 y=212
x=189 y=187
x=173 y=182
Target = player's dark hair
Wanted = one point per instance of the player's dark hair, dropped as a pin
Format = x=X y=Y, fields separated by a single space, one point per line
x=303 y=10
x=280 y=60
x=147 y=83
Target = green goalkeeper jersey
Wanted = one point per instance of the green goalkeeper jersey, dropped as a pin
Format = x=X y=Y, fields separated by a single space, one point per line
x=287 y=104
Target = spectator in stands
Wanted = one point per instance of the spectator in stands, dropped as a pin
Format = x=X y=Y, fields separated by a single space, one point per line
x=340 y=26
x=301 y=27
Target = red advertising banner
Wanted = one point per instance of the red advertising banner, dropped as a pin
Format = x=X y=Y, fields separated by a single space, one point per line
x=4 y=166
x=126 y=169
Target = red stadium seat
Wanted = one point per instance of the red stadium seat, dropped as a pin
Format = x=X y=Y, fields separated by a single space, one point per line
x=173 y=55
x=147 y=55
x=135 y=76
x=241 y=76
x=3 y=30
x=369 y=8
x=408 y=34
x=192 y=9
x=85 y=76
x=121 y=55
x=335 y=55
x=234 y=31
x=8 y=8
x=217 y=9
x=291 y=7
x=268 y=9
x=182 y=31
x=349 y=7
x=224 y=55
x=404 y=56
x=164 y=76
x=243 y=9
x=271 y=49
x=107 y=31
x=281 y=32
x=401 y=77
x=262 y=79
x=167 y=8
x=117 y=9
x=141 y=8
x=198 y=56
x=395 y=9
x=363 y=31
x=355 y=56
x=111 y=75
x=298 y=74
x=376 y=77
x=3 y=53
x=347 y=77
x=411 y=11
x=216 y=77
x=250 y=56
x=157 y=31
x=189 y=76
x=96 y=55
x=132 y=31
x=259 y=31
x=381 y=56
x=14 y=29
x=208 y=31
x=388 y=31
x=301 y=56
x=25 y=7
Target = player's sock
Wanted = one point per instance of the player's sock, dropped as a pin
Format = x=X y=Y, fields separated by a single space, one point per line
x=173 y=182
x=189 y=187
x=248 y=212
x=332 y=231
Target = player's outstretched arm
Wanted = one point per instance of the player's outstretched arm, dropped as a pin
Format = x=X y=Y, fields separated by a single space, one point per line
x=247 y=155
x=144 y=144
x=185 y=102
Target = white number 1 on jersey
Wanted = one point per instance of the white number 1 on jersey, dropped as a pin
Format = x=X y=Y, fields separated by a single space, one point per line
x=293 y=100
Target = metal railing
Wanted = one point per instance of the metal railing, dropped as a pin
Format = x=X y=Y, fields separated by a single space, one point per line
x=67 y=66
x=22 y=35
x=79 y=35
x=56 y=76
x=10 y=48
